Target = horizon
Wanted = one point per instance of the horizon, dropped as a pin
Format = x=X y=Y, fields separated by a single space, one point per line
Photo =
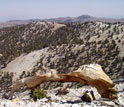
x=58 y=17
x=36 y=9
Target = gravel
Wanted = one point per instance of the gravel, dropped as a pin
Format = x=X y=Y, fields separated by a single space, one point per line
x=71 y=99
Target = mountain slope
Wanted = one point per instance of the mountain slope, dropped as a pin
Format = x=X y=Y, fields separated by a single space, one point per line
x=64 y=47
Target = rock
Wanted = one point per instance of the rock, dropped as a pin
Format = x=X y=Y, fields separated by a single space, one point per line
x=92 y=93
x=2 y=66
x=1 y=55
x=87 y=97
x=108 y=103
x=75 y=105
x=16 y=100
x=62 y=91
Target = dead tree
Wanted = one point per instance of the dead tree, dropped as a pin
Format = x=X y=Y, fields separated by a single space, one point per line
x=88 y=74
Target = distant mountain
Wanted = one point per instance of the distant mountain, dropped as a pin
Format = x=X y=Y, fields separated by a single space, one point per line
x=13 y=23
x=82 y=19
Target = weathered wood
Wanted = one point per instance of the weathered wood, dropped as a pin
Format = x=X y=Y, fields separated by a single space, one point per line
x=88 y=74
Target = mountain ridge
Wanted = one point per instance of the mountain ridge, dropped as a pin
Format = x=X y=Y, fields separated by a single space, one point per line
x=64 y=47
x=81 y=18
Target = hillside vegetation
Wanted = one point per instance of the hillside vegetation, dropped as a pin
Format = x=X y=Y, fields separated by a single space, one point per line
x=65 y=47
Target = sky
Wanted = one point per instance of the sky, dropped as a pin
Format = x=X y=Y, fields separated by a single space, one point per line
x=44 y=9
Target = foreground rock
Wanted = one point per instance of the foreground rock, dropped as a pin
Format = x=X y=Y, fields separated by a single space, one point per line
x=88 y=96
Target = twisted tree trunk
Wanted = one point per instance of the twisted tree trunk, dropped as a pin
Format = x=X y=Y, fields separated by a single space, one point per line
x=89 y=74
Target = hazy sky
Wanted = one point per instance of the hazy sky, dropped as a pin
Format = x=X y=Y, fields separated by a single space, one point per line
x=30 y=9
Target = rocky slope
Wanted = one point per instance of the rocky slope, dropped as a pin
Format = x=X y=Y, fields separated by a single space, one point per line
x=70 y=99
x=65 y=47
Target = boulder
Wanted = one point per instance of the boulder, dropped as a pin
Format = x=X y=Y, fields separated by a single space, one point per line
x=88 y=96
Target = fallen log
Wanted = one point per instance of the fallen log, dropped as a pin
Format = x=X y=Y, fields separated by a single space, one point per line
x=88 y=74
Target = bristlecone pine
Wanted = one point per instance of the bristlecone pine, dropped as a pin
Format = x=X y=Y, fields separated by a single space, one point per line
x=88 y=74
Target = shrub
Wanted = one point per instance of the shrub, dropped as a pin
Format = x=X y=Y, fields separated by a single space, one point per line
x=38 y=93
